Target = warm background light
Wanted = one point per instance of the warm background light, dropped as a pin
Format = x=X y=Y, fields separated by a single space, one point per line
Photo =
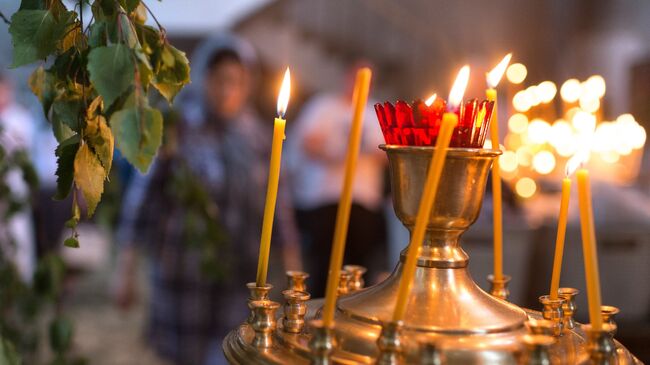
x=570 y=90
x=518 y=123
x=525 y=187
x=516 y=73
x=544 y=162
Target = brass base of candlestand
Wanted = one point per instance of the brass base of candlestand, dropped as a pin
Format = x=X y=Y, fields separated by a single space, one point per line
x=446 y=309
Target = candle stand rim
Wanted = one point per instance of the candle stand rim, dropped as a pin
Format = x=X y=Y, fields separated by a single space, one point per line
x=610 y=309
x=253 y=285
x=452 y=151
x=568 y=291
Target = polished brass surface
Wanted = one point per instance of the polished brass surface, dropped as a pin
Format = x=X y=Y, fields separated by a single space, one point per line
x=552 y=311
x=295 y=308
x=569 y=307
x=540 y=327
x=356 y=279
x=448 y=316
x=264 y=322
x=499 y=288
x=390 y=345
x=537 y=349
x=297 y=280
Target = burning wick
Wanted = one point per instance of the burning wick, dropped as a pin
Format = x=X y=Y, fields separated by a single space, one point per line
x=283 y=96
x=458 y=90
x=431 y=99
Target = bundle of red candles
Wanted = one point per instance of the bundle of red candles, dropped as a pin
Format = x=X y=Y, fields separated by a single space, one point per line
x=418 y=124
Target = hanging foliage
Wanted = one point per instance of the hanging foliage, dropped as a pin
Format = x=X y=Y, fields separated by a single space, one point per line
x=94 y=83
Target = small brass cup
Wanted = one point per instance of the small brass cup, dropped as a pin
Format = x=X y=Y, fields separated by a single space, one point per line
x=540 y=327
x=257 y=293
x=295 y=309
x=264 y=323
x=552 y=311
x=569 y=307
x=537 y=349
x=430 y=354
x=600 y=344
x=322 y=342
x=356 y=273
x=297 y=280
x=390 y=344
x=344 y=282
x=609 y=313
x=499 y=288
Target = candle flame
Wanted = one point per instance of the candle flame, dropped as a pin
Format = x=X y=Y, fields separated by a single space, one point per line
x=431 y=99
x=494 y=76
x=574 y=163
x=458 y=90
x=283 y=96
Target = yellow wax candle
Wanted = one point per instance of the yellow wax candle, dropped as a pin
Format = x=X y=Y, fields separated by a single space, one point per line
x=274 y=178
x=559 y=240
x=449 y=122
x=493 y=78
x=589 y=248
x=360 y=98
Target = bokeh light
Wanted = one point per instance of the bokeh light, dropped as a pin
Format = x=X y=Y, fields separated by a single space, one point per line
x=525 y=187
x=518 y=123
x=516 y=73
x=546 y=91
x=570 y=90
x=508 y=161
x=544 y=162
x=539 y=131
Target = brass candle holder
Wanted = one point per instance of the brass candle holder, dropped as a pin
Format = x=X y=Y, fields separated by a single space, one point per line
x=569 y=307
x=295 y=309
x=356 y=277
x=389 y=344
x=609 y=313
x=257 y=293
x=264 y=322
x=499 y=288
x=537 y=349
x=321 y=343
x=552 y=311
x=601 y=348
x=344 y=282
x=297 y=280
x=448 y=316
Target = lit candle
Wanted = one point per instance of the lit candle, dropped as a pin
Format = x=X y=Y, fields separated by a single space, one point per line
x=274 y=177
x=493 y=77
x=571 y=166
x=359 y=98
x=449 y=122
x=589 y=248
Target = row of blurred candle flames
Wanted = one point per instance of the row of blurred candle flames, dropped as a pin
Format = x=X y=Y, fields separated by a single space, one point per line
x=538 y=142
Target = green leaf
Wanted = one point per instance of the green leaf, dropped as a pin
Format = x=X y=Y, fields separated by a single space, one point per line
x=131 y=5
x=32 y=5
x=100 y=139
x=138 y=134
x=36 y=33
x=8 y=353
x=98 y=34
x=174 y=72
x=60 y=334
x=67 y=111
x=71 y=242
x=65 y=152
x=89 y=177
x=111 y=71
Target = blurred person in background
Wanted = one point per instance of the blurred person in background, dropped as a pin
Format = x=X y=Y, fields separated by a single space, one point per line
x=199 y=211
x=16 y=226
x=316 y=150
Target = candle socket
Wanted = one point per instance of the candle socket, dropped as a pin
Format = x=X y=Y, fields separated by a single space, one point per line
x=569 y=307
x=430 y=354
x=257 y=293
x=356 y=280
x=344 y=282
x=552 y=311
x=389 y=344
x=600 y=344
x=536 y=350
x=540 y=327
x=296 y=280
x=609 y=313
x=321 y=343
x=295 y=309
x=499 y=288
x=264 y=323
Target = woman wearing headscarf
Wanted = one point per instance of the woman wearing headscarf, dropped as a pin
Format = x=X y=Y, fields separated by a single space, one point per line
x=199 y=210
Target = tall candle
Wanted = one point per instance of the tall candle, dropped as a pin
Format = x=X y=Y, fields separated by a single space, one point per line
x=589 y=251
x=449 y=122
x=561 y=228
x=274 y=178
x=360 y=98
x=493 y=78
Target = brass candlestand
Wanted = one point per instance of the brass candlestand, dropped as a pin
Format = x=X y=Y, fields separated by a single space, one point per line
x=449 y=319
